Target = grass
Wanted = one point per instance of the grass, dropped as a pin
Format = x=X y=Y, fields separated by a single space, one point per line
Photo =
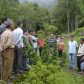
x=73 y=74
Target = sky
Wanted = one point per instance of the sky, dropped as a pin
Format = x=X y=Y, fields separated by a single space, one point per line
x=45 y=3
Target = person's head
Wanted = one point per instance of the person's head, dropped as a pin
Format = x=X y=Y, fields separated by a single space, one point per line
x=9 y=24
x=51 y=35
x=20 y=24
x=4 y=19
x=33 y=33
x=25 y=31
x=82 y=40
x=61 y=39
x=30 y=31
x=72 y=38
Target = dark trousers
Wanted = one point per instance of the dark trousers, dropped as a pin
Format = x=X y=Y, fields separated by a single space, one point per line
x=15 y=59
x=40 y=50
x=79 y=63
x=25 y=62
x=60 y=53
x=17 y=66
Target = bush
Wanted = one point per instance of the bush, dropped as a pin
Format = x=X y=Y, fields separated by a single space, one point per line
x=48 y=74
x=79 y=32
x=49 y=28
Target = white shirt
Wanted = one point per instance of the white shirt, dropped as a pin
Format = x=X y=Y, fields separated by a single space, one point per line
x=34 y=41
x=81 y=50
x=72 y=46
x=17 y=37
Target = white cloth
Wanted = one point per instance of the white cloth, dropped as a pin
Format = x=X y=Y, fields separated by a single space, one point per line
x=34 y=41
x=58 y=40
x=17 y=37
x=72 y=46
x=81 y=50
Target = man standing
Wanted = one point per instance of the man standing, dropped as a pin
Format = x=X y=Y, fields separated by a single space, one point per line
x=52 y=41
x=18 y=42
x=80 y=54
x=72 y=44
x=7 y=51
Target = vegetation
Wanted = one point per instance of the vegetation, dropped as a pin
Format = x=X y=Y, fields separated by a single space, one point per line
x=65 y=17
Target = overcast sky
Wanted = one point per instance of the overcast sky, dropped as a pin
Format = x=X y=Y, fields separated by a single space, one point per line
x=45 y=3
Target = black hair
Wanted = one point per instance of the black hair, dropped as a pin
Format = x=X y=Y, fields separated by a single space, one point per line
x=4 y=19
x=25 y=30
x=82 y=39
x=19 y=23
x=31 y=30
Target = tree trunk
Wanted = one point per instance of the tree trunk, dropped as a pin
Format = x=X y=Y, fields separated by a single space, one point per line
x=68 y=21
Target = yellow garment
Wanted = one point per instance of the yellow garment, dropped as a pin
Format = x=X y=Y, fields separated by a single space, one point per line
x=7 y=39
x=8 y=56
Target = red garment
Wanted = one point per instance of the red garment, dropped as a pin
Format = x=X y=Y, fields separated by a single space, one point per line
x=61 y=46
x=41 y=42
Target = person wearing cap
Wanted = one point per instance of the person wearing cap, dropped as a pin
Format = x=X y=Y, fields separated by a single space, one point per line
x=80 y=54
x=72 y=46
x=7 y=51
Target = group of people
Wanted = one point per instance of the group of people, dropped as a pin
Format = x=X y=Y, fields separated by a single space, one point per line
x=74 y=51
x=13 y=42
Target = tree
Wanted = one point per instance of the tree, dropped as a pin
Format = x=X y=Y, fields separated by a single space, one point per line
x=66 y=15
x=7 y=8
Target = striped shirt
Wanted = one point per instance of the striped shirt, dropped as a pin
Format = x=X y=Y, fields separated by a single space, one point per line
x=51 y=42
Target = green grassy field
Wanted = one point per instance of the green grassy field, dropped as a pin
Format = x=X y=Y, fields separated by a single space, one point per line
x=43 y=73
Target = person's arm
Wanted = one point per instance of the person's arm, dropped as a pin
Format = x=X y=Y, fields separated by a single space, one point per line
x=30 y=41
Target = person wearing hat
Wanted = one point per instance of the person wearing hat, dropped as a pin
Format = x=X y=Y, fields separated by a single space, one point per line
x=7 y=51
x=80 y=54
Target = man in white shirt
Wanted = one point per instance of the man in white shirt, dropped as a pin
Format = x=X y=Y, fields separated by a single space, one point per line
x=18 y=41
x=80 y=54
x=72 y=46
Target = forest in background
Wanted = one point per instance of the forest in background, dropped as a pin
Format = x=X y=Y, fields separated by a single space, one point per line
x=65 y=16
